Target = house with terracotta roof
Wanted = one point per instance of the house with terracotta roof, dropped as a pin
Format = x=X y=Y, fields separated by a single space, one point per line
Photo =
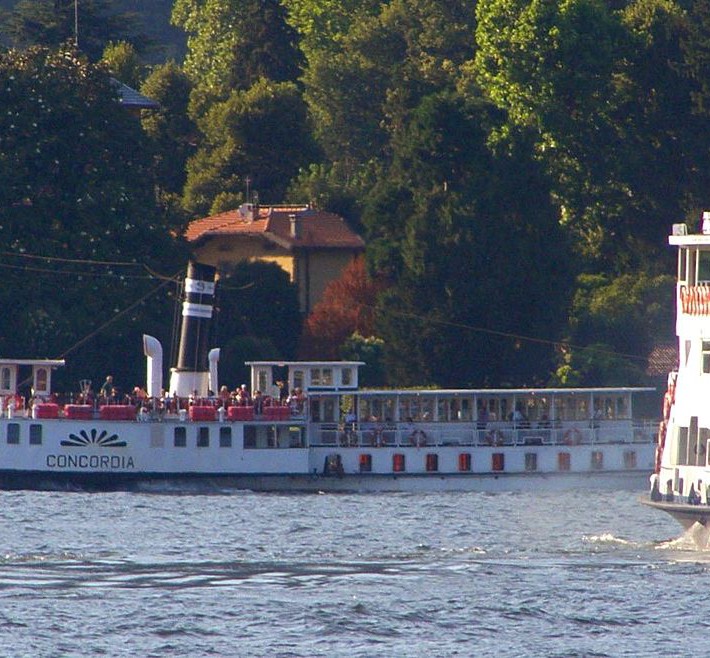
x=312 y=246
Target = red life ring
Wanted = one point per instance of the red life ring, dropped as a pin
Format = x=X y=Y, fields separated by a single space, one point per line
x=16 y=401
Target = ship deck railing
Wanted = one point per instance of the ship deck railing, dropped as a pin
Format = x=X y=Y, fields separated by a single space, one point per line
x=368 y=434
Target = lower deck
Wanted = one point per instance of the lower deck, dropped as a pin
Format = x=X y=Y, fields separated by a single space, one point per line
x=270 y=455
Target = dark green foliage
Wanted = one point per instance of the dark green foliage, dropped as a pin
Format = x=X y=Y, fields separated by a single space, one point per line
x=170 y=129
x=261 y=134
x=470 y=239
x=52 y=23
x=615 y=323
x=257 y=318
x=370 y=351
x=77 y=186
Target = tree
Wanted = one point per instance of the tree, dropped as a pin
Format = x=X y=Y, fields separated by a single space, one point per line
x=81 y=237
x=384 y=61
x=347 y=307
x=233 y=44
x=51 y=23
x=170 y=129
x=258 y=316
x=261 y=134
x=124 y=63
x=605 y=91
x=464 y=233
x=614 y=324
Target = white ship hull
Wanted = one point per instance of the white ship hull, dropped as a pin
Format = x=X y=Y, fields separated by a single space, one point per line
x=63 y=453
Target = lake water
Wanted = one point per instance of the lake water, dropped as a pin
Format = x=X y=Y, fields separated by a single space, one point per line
x=244 y=574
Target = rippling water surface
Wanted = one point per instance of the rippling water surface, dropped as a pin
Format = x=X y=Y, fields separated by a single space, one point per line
x=244 y=574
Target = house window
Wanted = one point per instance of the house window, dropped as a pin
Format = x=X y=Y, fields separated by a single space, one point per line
x=203 y=437
x=13 y=433
x=35 y=435
x=225 y=437
x=180 y=437
x=346 y=376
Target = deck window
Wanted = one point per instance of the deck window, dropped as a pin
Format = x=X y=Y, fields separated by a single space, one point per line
x=682 y=447
x=13 y=433
x=346 y=377
x=225 y=437
x=180 y=437
x=597 y=463
x=564 y=461
x=703 y=267
x=629 y=459
x=432 y=462
x=706 y=356
x=203 y=437
x=365 y=463
x=498 y=461
x=530 y=461
x=35 y=434
x=6 y=379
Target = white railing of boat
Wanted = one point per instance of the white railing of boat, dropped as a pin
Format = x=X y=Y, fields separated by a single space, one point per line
x=493 y=434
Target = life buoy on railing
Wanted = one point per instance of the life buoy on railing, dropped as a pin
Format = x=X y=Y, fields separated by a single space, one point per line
x=378 y=438
x=494 y=438
x=572 y=437
x=418 y=438
x=14 y=401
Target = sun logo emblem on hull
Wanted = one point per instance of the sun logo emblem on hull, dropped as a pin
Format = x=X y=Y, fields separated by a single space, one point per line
x=94 y=438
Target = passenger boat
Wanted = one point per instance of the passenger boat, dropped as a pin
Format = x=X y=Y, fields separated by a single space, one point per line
x=327 y=435
x=680 y=483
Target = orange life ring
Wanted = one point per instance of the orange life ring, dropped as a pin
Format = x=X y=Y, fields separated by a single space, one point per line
x=572 y=437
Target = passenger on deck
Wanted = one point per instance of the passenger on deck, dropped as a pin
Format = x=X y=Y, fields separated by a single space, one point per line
x=283 y=392
x=693 y=496
x=106 y=387
x=258 y=402
x=243 y=397
x=296 y=401
x=224 y=396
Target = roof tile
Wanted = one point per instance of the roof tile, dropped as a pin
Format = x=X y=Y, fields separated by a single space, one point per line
x=318 y=229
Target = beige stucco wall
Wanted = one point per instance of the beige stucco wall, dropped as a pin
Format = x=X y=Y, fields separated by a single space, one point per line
x=311 y=270
x=315 y=270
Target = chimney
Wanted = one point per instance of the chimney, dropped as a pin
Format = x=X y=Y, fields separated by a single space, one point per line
x=192 y=371
x=295 y=221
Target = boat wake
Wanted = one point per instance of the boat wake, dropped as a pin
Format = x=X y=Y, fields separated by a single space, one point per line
x=608 y=539
x=695 y=538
